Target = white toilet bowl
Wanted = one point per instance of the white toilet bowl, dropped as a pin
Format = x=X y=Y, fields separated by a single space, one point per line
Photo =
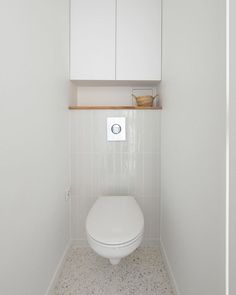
x=115 y=227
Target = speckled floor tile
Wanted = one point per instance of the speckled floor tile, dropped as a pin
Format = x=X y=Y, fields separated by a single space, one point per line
x=86 y=273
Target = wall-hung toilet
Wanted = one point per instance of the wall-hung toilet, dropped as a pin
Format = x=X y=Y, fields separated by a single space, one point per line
x=115 y=227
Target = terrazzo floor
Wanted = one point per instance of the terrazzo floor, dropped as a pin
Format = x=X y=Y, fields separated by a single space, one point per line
x=86 y=273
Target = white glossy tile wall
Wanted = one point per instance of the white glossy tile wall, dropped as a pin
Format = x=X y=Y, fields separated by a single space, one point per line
x=100 y=167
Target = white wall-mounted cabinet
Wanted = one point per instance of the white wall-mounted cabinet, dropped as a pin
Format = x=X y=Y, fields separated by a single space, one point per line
x=115 y=40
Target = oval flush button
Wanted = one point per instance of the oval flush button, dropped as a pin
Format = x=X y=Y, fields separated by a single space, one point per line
x=116 y=128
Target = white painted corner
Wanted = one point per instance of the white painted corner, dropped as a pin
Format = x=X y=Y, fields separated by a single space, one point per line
x=169 y=269
x=52 y=284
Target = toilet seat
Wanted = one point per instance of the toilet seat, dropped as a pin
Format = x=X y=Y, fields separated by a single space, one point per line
x=117 y=245
x=115 y=221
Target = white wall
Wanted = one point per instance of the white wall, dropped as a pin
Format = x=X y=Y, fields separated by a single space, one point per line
x=113 y=95
x=33 y=143
x=193 y=149
x=115 y=168
x=232 y=256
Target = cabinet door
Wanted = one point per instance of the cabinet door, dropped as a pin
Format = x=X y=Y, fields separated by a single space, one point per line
x=138 y=54
x=92 y=46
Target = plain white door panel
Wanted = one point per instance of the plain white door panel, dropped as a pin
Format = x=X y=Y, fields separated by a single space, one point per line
x=92 y=50
x=138 y=55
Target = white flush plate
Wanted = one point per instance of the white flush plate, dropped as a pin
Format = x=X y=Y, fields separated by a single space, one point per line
x=116 y=129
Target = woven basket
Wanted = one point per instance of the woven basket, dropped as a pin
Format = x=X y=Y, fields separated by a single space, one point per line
x=145 y=101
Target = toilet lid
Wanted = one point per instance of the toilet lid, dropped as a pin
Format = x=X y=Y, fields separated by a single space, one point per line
x=115 y=220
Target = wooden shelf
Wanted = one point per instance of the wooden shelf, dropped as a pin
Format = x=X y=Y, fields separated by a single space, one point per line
x=112 y=108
